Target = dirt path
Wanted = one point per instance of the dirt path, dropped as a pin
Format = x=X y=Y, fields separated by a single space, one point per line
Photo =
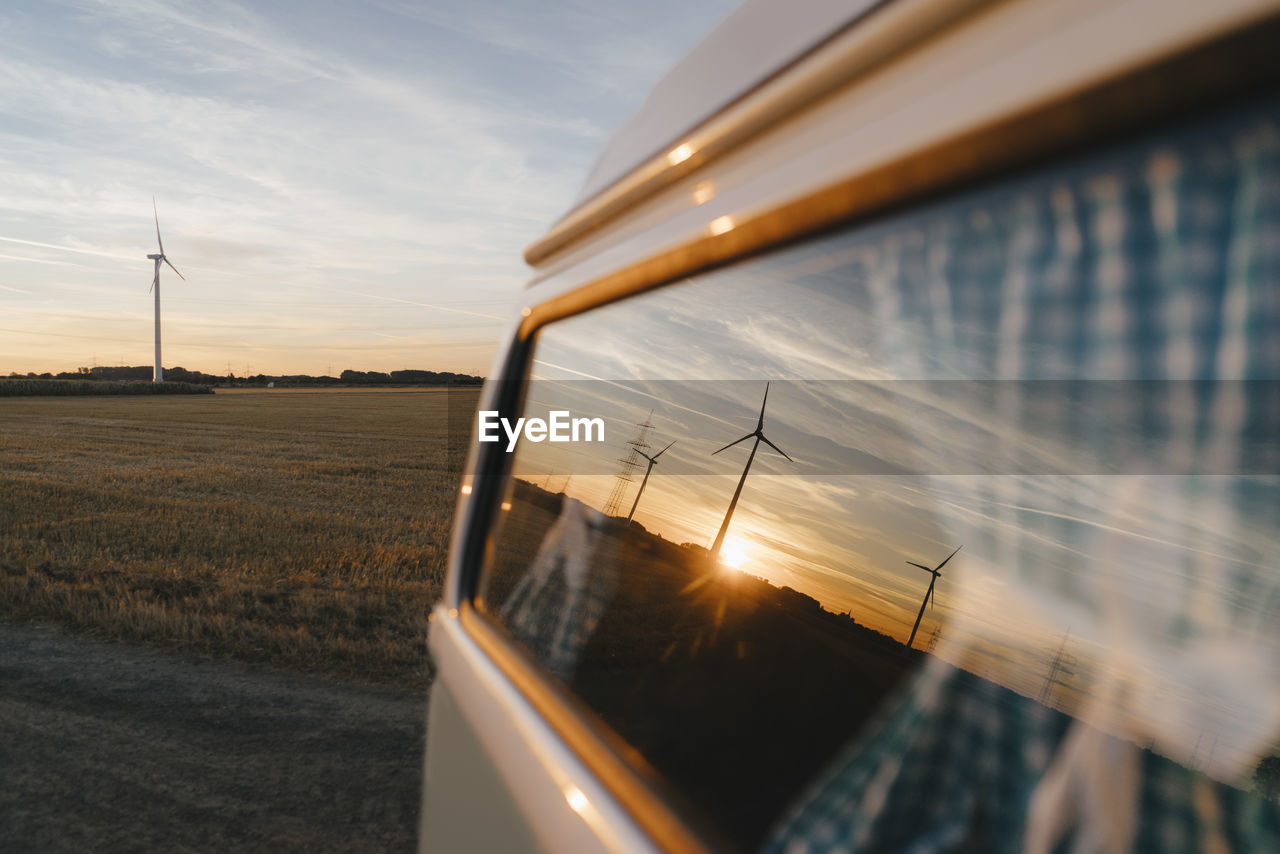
x=108 y=747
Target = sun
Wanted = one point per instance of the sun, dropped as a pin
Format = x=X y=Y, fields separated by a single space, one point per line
x=734 y=554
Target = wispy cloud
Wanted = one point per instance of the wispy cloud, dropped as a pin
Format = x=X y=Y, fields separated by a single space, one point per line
x=400 y=155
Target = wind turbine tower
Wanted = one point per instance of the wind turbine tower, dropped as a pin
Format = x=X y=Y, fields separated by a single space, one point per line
x=928 y=595
x=653 y=461
x=155 y=286
x=759 y=436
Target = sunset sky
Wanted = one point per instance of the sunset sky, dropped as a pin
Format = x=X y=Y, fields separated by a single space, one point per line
x=343 y=185
x=907 y=438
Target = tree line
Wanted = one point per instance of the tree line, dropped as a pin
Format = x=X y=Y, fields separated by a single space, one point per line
x=134 y=373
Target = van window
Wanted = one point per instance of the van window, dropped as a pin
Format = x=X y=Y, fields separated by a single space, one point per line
x=1009 y=531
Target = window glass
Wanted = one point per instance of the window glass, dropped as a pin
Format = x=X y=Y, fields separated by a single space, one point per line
x=1002 y=573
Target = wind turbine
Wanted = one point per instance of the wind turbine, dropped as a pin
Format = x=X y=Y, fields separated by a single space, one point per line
x=653 y=461
x=928 y=595
x=155 y=286
x=758 y=433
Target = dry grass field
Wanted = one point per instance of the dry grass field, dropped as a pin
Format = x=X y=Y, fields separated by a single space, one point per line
x=301 y=528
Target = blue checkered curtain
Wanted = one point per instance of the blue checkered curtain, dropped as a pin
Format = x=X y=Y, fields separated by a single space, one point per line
x=1155 y=261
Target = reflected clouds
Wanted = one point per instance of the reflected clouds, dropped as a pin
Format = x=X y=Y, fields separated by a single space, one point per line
x=988 y=373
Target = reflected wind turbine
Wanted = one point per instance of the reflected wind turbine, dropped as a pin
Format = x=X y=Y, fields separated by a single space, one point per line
x=155 y=286
x=653 y=461
x=928 y=595
x=758 y=433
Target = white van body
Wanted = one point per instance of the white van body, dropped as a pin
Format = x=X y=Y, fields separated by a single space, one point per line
x=787 y=120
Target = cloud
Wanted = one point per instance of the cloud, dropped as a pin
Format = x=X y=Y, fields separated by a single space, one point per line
x=301 y=150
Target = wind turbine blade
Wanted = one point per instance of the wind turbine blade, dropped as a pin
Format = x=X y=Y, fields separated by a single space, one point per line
x=933 y=594
x=763 y=403
x=175 y=269
x=734 y=442
x=775 y=447
x=922 y=566
x=157 y=213
x=663 y=451
x=949 y=557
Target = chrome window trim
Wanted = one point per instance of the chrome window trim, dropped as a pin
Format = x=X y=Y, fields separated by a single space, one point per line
x=528 y=694
x=1042 y=51
x=1242 y=60
x=636 y=789
x=1228 y=66
x=883 y=32
x=484 y=475
x=566 y=804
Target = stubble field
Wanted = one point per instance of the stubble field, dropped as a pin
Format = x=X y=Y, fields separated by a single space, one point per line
x=298 y=528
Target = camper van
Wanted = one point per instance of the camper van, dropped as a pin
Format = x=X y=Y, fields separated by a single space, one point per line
x=935 y=501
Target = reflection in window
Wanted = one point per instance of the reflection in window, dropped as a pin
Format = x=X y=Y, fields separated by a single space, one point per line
x=1071 y=377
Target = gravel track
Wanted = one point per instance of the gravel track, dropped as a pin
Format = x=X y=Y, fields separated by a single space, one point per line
x=110 y=747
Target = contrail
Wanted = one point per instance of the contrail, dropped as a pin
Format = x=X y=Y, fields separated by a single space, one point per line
x=626 y=388
x=1093 y=523
x=37 y=261
x=69 y=335
x=413 y=302
x=67 y=249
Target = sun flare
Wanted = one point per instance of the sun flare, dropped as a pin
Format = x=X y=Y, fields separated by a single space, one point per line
x=734 y=554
